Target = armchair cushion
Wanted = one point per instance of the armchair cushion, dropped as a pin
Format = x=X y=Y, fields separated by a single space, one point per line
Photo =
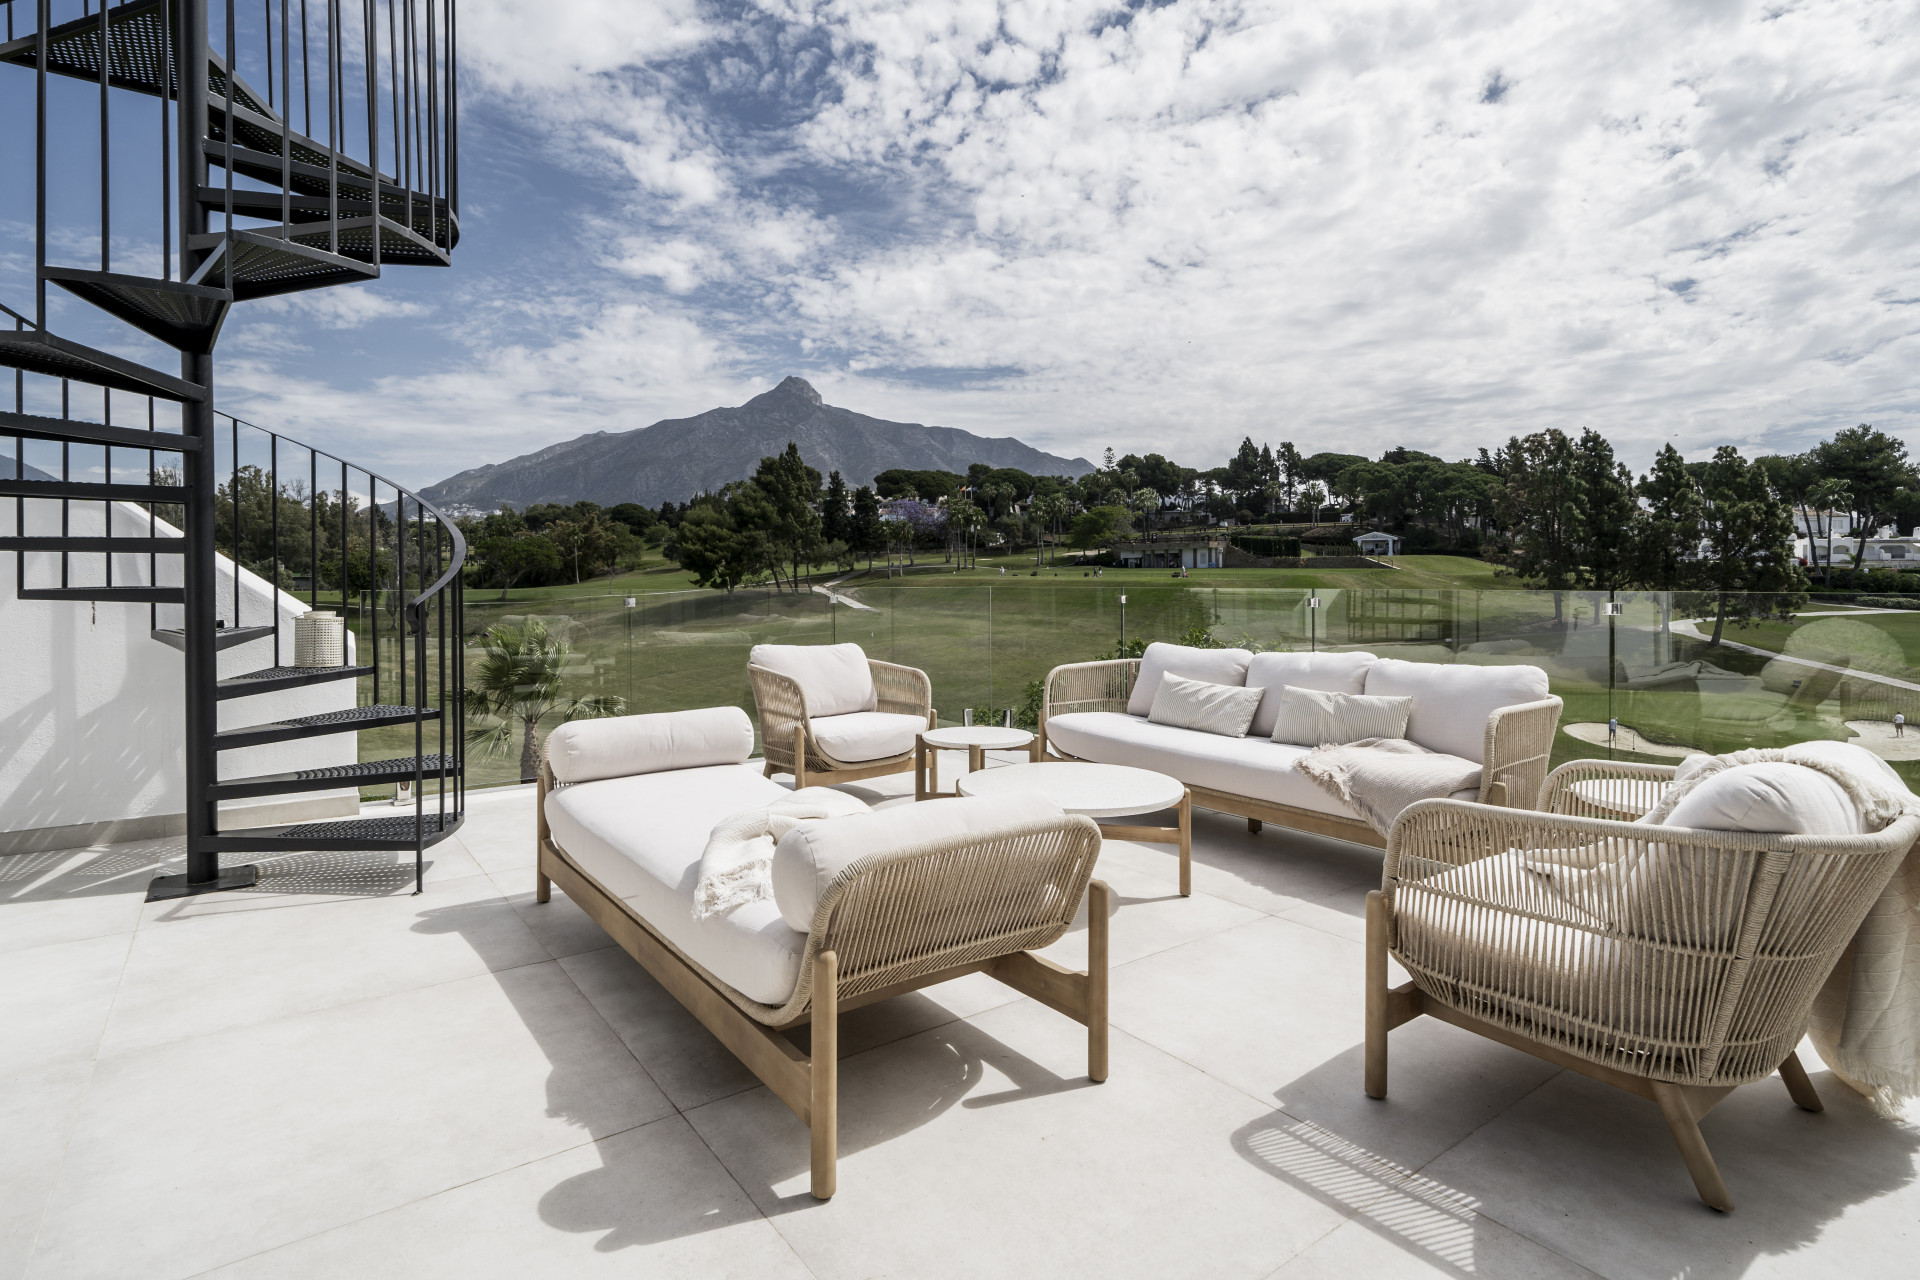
x=621 y=746
x=834 y=677
x=1451 y=703
x=811 y=856
x=859 y=736
x=1773 y=796
x=1215 y=666
x=1328 y=672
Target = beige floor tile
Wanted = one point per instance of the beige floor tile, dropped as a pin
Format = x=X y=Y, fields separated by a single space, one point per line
x=1148 y=915
x=55 y=1001
x=1274 y=1008
x=72 y=894
x=1590 y=1172
x=562 y=927
x=650 y=1202
x=498 y=832
x=314 y=879
x=1274 y=871
x=37 y=1111
x=1422 y=1229
x=189 y=977
x=981 y=1149
x=209 y=1150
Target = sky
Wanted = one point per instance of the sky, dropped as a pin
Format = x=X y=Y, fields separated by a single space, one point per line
x=1153 y=227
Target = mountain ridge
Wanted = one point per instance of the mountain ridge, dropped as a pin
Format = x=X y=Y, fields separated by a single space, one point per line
x=675 y=458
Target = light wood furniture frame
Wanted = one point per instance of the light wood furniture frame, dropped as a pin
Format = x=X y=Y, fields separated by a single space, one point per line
x=926 y=765
x=889 y=924
x=1678 y=987
x=786 y=736
x=1519 y=743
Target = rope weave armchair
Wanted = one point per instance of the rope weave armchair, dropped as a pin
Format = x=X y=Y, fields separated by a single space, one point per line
x=1676 y=964
x=888 y=924
x=786 y=736
x=1519 y=743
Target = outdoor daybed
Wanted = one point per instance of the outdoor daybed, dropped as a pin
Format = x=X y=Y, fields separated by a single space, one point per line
x=865 y=906
x=1500 y=717
x=830 y=709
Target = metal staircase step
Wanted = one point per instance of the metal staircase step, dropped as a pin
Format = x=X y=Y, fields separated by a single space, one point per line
x=265 y=265
x=331 y=777
x=186 y=317
x=135 y=40
x=317 y=726
x=90 y=491
x=39 y=352
x=272 y=679
x=36 y=427
x=302 y=177
x=77 y=545
x=346 y=835
x=105 y=595
x=223 y=637
x=399 y=246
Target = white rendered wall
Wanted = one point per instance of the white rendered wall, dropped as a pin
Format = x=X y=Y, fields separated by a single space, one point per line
x=92 y=706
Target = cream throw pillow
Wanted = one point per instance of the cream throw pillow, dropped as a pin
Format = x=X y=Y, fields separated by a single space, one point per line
x=1313 y=717
x=1224 y=709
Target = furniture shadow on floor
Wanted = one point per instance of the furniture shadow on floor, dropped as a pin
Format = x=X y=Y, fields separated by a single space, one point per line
x=1592 y=1174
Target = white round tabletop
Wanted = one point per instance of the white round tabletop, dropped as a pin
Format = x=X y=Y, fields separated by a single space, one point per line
x=1625 y=797
x=991 y=737
x=1096 y=790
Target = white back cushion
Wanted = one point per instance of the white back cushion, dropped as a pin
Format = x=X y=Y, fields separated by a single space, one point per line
x=1773 y=796
x=1313 y=717
x=810 y=856
x=1328 y=672
x=1225 y=709
x=1215 y=666
x=621 y=746
x=1451 y=703
x=834 y=677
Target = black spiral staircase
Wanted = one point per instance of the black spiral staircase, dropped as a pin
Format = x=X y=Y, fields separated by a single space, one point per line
x=133 y=511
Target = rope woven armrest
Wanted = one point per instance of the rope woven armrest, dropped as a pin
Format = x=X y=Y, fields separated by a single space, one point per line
x=781 y=704
x=1519 y=743
x=1089 y=686
x=902 y=690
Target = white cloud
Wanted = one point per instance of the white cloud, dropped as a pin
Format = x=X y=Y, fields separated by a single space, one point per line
x=1354 y=225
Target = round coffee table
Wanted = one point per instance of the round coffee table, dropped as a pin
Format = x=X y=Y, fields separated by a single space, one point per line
x=1101 y=791
x=976 y=740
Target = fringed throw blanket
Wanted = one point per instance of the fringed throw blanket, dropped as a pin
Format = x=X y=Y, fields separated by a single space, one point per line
x=737 y=866
x=1866 y=1019
x=1378 y=777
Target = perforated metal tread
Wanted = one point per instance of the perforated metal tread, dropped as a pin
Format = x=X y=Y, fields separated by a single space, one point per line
x=352 y=719
x=394 y=833
x=329 y=777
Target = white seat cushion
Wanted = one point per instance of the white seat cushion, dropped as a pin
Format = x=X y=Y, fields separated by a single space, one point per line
x=1772 y=796
x=585 y=750
x=1451 y=703
x=1251 y=767
x=834 y=677
x=1327 y=672
x=811 y=856
x=1215 y=666
x=866 y=735
x=641 y=838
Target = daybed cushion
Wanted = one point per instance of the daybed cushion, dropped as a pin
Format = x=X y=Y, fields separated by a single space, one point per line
x=641 y=838
x=1206 y=708
x=834 y=677
x=1772 y=796
x=619 y=746
x=866 y=735
x=1251 y=767
x=809 y=857
x=1215 y=666
x=1313 y=717
x=1451 y=703
x=1328 y=672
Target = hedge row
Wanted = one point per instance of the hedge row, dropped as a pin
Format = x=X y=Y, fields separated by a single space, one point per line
x=1254 y=545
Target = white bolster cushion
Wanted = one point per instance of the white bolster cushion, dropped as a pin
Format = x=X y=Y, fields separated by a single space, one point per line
x=834 y=677
x=809 y=857
x=1215 y=666
x=1224 y=709
x=622 y=746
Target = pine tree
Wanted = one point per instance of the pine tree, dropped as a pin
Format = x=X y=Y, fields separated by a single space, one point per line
x=1606 y=510
x=834 y=521
x=1541 y=505
x=865 y=533
x=1749 y=532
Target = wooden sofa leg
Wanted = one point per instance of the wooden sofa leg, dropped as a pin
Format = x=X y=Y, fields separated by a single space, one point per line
x=1693 y=1147
x=1801 y=1089
x=1099 y=913
x=825 y=1074
x=1186 y=844
x=542 y=887
x=1254 y=825
x=1376 y=995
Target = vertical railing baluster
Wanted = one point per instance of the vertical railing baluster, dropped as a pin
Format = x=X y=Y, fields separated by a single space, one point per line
x=273 y=458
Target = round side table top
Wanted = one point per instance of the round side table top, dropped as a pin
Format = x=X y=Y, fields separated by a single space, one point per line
x=1623 y=797
x=986 y=736
x=1096 y=790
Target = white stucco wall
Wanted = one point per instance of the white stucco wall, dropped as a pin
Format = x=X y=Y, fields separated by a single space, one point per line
x=92 y=706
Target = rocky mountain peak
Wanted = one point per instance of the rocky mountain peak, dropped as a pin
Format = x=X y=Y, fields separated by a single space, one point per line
x=791 y=390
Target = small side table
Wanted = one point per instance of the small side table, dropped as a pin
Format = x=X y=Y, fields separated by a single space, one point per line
x=1103 y=791
x=975 y=740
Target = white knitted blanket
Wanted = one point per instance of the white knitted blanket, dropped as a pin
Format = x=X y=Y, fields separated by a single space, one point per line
x=1866 y=1019
x=1381 y=776
x=736 y=867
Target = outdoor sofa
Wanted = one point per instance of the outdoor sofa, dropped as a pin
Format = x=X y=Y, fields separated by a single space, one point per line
x=1671 y=961
x=865 y=907
x=828 y=709
x=1500 y=717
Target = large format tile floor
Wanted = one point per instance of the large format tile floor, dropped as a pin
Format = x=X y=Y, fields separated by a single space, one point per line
x=330 y=1077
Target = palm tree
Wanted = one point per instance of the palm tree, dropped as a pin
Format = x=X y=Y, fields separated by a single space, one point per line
x=517 y=684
